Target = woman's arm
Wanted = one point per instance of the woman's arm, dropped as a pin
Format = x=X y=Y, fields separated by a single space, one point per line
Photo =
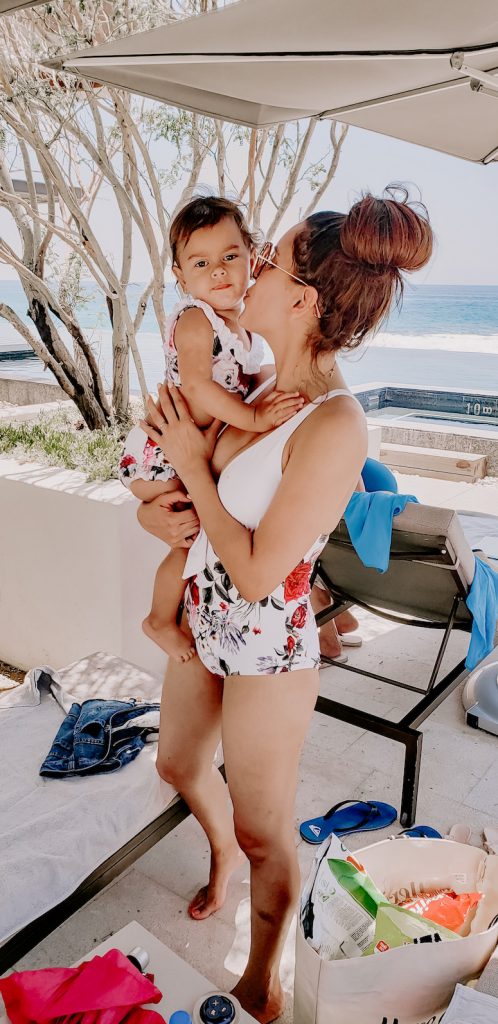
x=322 y=471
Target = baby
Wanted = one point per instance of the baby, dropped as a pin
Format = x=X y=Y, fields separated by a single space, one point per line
x=214 y=360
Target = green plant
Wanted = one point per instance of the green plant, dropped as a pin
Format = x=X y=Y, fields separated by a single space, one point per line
x=60 y=439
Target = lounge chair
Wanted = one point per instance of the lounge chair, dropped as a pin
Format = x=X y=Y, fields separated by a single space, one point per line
x=430 y=571
x=63 y=840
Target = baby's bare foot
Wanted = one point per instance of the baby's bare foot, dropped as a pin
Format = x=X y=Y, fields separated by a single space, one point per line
x=265 y=1006
x=170 y=638
x=211 y=897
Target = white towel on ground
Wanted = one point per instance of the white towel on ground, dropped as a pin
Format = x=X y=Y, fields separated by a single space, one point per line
x=55 y=832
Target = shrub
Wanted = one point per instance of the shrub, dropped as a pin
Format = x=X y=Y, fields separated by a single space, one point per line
x=62 y=439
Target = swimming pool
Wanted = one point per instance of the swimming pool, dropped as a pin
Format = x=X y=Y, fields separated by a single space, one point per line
x=434 y=419
x=434 y=409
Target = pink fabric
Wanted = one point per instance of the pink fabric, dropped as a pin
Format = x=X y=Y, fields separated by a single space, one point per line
x=105 y=990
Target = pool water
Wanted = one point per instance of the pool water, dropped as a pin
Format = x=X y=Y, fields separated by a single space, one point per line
x=430 y=418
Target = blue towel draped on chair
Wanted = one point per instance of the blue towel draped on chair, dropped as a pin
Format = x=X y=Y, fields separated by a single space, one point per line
x=369 y=519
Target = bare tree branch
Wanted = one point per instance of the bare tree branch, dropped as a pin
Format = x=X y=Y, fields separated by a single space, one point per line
x=88 y=141
x=293 y=176
x=337 y=145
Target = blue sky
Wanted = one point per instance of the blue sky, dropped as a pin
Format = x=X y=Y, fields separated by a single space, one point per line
x=462 y=199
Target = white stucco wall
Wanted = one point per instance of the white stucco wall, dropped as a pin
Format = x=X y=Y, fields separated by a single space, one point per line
x=76 y=569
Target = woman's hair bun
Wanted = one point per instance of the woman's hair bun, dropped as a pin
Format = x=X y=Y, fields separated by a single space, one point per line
x=388 y=234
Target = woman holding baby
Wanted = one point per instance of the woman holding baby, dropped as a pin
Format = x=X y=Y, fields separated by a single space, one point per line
x=267 y=491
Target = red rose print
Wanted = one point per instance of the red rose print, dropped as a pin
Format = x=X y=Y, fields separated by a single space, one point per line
x=291 y=643
x=127 y=460
x=150 y=443
x=256 y=630
x=299 y=617
x=297 y=583
x=194 y=593
x=223 y=606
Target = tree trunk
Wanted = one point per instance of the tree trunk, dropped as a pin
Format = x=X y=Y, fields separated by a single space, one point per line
x=66 y=372
x=120 y=366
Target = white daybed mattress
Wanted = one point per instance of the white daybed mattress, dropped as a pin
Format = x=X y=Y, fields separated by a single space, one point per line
x=55 y=832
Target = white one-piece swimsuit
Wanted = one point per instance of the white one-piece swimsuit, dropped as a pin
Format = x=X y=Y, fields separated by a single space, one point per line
x=277 y=634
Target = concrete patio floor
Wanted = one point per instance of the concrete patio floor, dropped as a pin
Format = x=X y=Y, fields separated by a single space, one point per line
x=459 y=782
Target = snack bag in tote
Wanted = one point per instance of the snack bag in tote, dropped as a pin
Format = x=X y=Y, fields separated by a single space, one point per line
x=414 y=982
x=346 y=915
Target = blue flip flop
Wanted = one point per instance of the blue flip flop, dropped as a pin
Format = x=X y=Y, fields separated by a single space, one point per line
x=420 y=832
x=355 y=816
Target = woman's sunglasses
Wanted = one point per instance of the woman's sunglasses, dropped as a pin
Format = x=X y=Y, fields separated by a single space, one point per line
x=266 y=257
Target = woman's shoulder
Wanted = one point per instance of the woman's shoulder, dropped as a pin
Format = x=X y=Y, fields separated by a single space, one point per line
x=336 y=419
x=333 y=435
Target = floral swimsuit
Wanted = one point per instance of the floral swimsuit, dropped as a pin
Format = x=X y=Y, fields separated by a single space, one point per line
x=234 y=637
x=277 y=634
x=233 y=366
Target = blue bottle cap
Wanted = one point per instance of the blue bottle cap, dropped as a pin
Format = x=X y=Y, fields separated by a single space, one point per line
x=217 y=1009
x=180 y=1017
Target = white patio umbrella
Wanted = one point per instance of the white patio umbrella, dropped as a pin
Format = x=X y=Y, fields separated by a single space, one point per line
x=421 y=71
x=9 y=6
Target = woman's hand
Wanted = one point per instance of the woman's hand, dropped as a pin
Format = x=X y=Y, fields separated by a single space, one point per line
x=170 y=425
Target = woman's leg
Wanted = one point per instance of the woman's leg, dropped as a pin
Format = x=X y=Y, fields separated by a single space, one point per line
x=189 y=735
x=161 y=622
x=265 y=719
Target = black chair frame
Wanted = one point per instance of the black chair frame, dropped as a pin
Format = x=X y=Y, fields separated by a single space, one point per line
x=406 y=730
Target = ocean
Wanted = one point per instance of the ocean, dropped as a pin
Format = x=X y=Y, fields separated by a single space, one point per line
x=443 y=336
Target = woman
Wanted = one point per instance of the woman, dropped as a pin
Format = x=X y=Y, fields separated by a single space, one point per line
x=325 y=287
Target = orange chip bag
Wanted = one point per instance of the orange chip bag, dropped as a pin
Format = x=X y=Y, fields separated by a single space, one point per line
x=444 y=907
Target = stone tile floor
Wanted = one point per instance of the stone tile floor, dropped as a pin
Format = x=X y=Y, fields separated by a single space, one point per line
x=459 y=782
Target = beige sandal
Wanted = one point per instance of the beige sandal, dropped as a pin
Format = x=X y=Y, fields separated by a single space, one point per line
x=326 y=662
x=491 y=839
x=351 y=639
x=460 y=833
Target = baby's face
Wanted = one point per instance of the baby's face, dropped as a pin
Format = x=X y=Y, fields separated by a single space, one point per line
x=215 y=266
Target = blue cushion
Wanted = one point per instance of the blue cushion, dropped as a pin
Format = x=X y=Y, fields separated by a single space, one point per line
x=377 y=477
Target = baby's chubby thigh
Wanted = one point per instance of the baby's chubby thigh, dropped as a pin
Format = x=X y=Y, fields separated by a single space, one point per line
x=147 y=490
x=144 y=469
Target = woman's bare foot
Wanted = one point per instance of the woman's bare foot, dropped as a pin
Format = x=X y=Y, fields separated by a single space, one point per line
x=170 y=638
x=211 y=897
x=265 y=1006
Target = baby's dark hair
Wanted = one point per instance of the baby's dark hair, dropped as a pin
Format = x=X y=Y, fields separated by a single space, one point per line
x=355 y=261
x=206 y=212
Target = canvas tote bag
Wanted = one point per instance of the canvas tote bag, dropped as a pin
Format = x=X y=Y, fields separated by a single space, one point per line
x=412 y=984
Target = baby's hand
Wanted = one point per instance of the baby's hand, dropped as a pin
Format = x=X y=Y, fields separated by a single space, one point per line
x=275 y=409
